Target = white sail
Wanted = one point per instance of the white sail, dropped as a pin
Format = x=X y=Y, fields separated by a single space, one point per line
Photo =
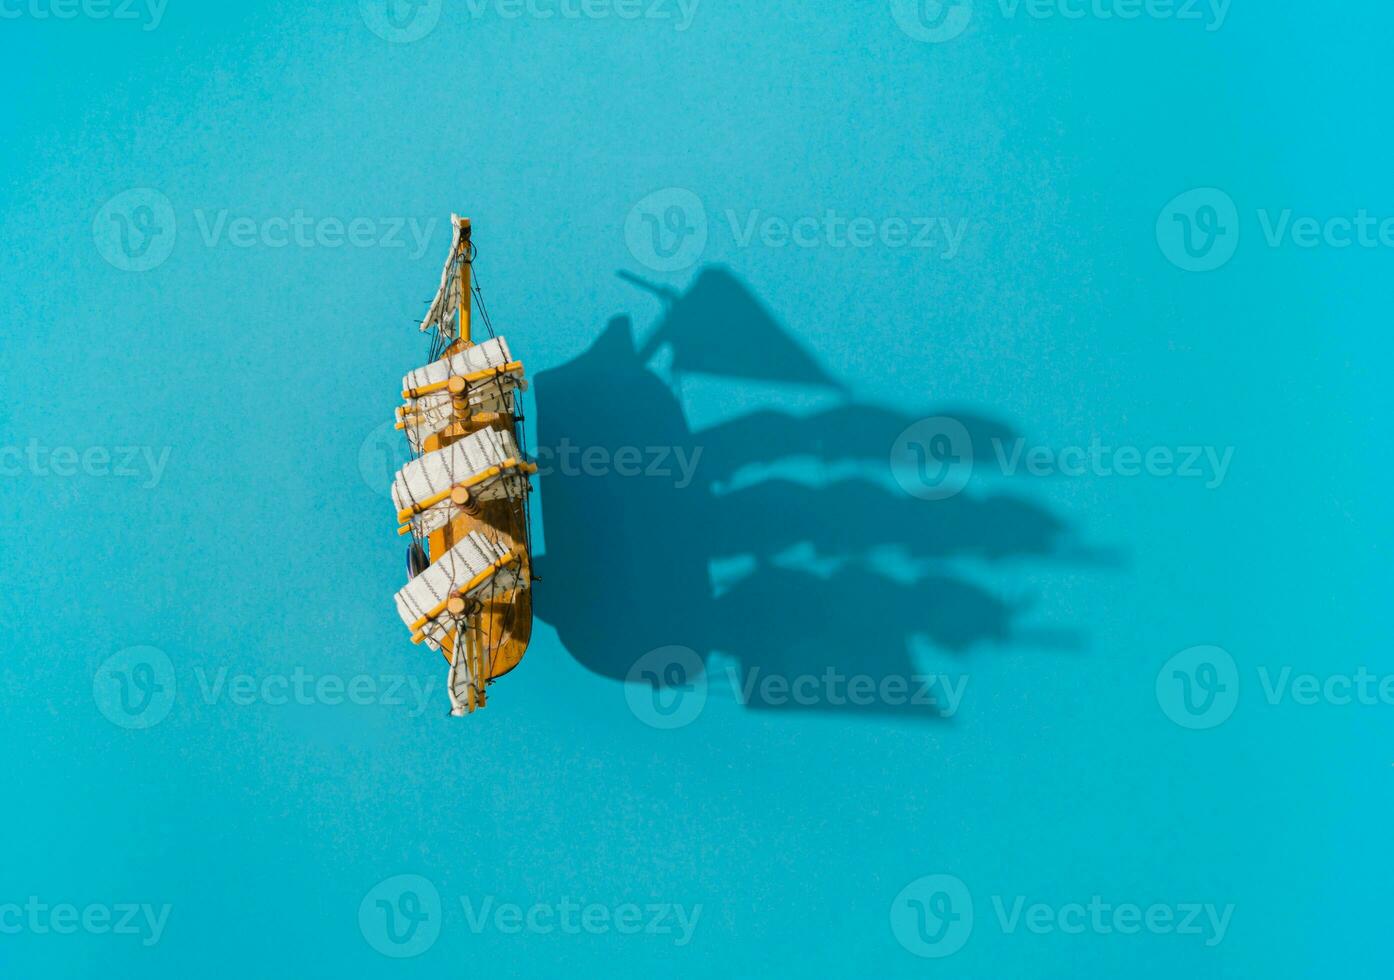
x=447 y=296
x=491 y=374
x=459 y=681
x=492 y=353
x=475 y=568
x=485 y=463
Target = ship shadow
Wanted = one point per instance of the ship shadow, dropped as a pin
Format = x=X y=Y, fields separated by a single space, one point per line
x=659 y=536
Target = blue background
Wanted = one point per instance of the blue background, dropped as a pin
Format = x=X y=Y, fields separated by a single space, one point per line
x=264 y=548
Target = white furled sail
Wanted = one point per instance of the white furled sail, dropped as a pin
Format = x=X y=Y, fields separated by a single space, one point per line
x=479 y=377
x=485 y=465
x=474 y=569
x=460 y=680
x=489 y=354
x=448 y=293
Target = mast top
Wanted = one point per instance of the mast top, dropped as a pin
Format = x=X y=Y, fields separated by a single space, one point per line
x=462 y=231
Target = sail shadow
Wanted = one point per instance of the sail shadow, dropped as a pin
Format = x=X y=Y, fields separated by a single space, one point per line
x=638 y=508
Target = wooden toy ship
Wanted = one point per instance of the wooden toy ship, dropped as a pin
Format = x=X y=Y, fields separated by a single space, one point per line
x=463 y=498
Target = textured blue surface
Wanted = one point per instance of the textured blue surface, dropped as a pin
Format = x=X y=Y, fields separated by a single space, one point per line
x=225 y=588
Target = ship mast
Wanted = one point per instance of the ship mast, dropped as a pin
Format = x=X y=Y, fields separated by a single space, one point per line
x=471 y=650
x=466 y=259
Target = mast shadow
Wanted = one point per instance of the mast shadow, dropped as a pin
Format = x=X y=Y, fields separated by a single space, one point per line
x=658 y=535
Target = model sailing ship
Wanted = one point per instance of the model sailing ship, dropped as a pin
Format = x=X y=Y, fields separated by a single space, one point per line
x=463 y=498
